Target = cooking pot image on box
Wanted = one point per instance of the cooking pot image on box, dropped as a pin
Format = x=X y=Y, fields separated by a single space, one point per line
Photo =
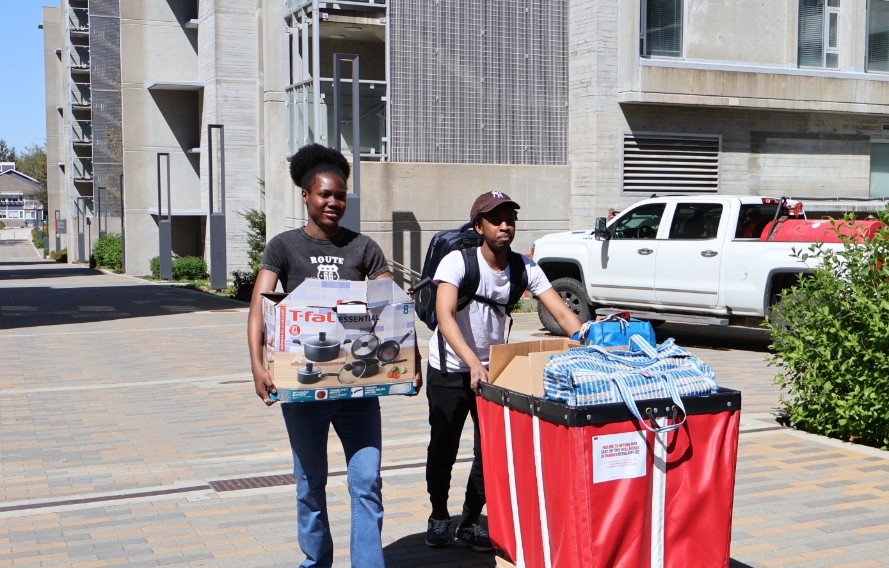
x=361 y=369
x=322 y=348
x=310 y=375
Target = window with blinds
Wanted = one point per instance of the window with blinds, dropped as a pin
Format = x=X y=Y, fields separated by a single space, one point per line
x=878 y=36
x=662 y=28
x=665 y=163
x=818 y=41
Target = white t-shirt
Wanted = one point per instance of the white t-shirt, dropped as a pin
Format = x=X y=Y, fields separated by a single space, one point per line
x=482 y=325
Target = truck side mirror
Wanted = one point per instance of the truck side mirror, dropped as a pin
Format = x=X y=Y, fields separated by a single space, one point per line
x=601 y=232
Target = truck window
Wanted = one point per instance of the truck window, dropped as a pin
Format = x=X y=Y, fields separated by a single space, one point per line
x=697 y=221
x=752 y=220
x=639 y=223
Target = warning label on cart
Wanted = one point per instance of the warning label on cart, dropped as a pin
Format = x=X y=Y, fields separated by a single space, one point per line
x=618 y=456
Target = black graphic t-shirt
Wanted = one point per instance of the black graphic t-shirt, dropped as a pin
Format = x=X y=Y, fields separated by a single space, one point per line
x=295 y=256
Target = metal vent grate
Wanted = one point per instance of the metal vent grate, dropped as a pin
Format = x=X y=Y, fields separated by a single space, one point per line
x=251 y=482
x=479 y=82
x=661 y=163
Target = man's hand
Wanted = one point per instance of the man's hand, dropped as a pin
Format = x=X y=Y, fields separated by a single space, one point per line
x=477 y=374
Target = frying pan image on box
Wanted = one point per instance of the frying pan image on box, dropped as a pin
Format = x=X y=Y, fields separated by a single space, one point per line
x=369 y=346
x=361 y=369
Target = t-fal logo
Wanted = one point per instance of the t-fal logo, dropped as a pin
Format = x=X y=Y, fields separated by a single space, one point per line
x=309 y=316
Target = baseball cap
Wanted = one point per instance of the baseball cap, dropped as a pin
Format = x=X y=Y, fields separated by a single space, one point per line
x=488 y=201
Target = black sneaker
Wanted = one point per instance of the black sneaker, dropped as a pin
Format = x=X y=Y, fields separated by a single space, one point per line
x=438 y=532
x=474 y=536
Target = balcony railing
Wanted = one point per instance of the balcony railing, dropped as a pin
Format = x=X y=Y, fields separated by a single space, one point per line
x=80 y=94
x=78 y=20
x=81 y=132
x=82 y=169
x=79 y=57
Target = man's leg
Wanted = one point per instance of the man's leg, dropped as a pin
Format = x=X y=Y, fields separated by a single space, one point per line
x=475 y=486
x=469 y=532
x=308 y=424
x=448 y=407
x=447 y=415
x=358 y=424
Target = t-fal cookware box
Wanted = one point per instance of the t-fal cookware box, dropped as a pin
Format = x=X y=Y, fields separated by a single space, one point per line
x=338 y=339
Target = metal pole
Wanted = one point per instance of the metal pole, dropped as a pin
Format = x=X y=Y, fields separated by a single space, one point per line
x=218 y=254
x=99 y=191
x=352 y=218
x=123 y=241
x=164 y=226
x=57 y=213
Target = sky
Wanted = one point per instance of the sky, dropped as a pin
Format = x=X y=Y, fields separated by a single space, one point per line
x=22 y=95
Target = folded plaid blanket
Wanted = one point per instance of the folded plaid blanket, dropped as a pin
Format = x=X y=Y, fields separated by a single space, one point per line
x=587 y=375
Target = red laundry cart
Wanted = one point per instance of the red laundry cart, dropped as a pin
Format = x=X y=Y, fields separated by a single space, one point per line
x=588 y=487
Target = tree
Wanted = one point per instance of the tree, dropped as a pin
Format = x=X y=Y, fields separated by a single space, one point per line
x=32 y=163
x=7 y=153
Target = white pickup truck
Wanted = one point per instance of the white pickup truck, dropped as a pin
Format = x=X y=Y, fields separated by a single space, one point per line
x=704 y=259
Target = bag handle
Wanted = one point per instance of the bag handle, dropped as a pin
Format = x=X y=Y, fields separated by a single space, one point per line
x=626 y=394
x=623 y=318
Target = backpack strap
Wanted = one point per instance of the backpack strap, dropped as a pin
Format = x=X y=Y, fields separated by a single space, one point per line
x=471 y=277
x=465 y=294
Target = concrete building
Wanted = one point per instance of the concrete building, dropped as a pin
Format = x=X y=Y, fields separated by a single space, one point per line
x=571 y=107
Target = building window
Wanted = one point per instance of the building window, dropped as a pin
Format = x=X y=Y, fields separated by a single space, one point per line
x=662 y=28
x=819 y=34
x=879 y=169
x=666 y=163
x=878 y=36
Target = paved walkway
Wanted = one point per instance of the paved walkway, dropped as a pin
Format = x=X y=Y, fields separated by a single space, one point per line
x=130 y=436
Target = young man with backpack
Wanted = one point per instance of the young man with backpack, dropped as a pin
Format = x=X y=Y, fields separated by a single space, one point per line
x=458 y=354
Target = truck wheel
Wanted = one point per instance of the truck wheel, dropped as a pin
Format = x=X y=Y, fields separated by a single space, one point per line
x=574 y=296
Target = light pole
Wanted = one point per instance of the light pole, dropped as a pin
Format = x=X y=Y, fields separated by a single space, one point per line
x=99 y=197
x=218 y=262
x=164 y=226
x=58 y=237
x=89 y=244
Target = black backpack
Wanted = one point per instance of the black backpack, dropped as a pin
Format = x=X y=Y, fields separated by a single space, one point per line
x=466 y=240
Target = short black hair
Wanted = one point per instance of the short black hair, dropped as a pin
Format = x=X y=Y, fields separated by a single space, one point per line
x=312 y=159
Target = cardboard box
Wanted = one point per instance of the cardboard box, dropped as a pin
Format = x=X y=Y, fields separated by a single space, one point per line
x=519 y=366
x=340 y=339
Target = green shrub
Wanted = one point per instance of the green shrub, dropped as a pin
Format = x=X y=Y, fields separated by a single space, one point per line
x=255 y=237
x=189 y=268
x=2 y=225
x=830 y=339
x=184 y=268
x=61 y=256
x=243 y=280
x=108 y=252
x=242 y=285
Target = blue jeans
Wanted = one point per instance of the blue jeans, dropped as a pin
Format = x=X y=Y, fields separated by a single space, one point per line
x=357 y=423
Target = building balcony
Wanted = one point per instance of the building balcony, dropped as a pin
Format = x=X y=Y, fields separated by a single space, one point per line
x=679 y=82
x=81 y=95
x=81 y=132
x=78 y=21
x=79 y=57
x=82 y=169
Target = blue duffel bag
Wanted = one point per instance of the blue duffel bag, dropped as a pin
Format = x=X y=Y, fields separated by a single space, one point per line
x=615 y=331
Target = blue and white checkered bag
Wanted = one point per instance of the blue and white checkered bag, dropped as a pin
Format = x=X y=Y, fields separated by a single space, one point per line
x=591 y=374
